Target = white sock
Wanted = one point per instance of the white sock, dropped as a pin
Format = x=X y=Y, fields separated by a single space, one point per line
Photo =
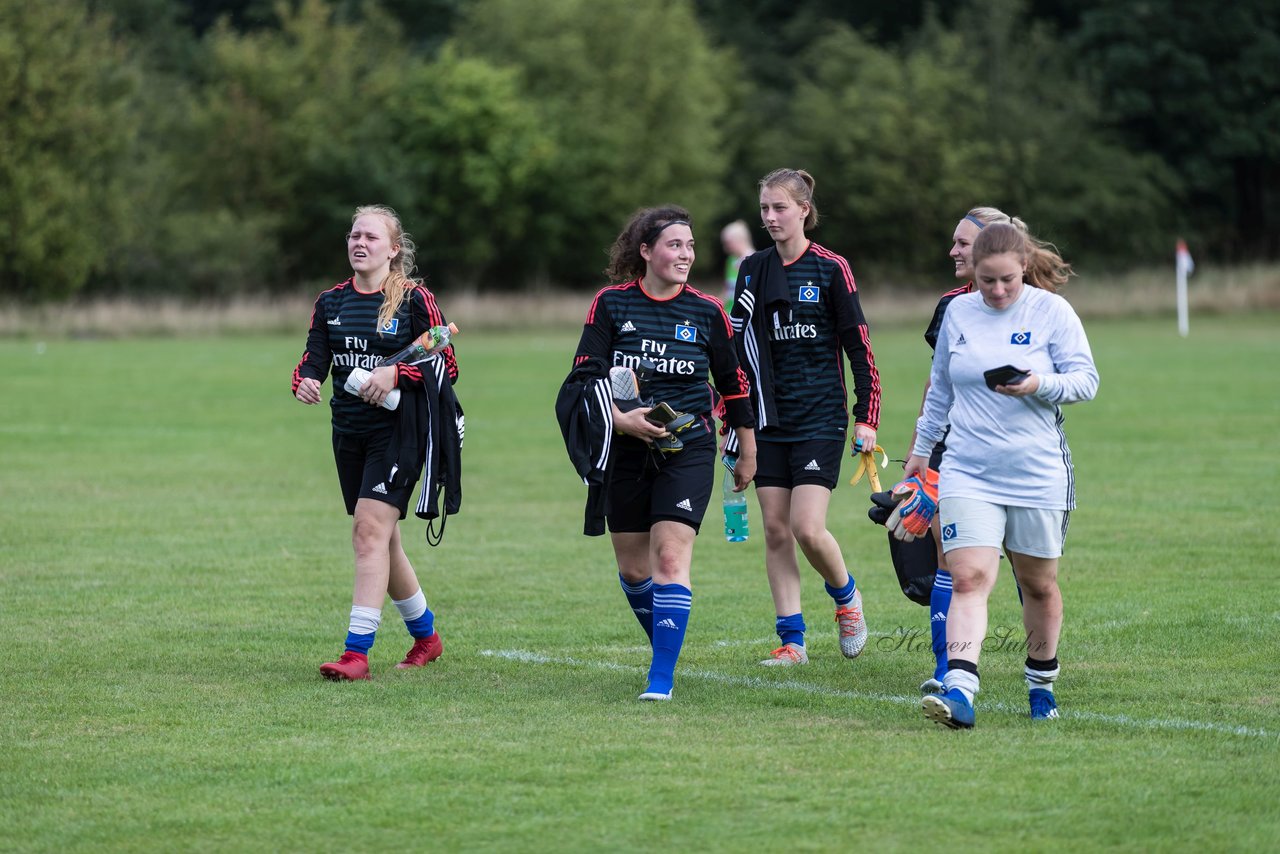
x=963 y=681
x=413 y=607
x=364 y=621
x=1042 y=679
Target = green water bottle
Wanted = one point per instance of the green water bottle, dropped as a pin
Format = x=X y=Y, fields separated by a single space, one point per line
x=735 y=507
x=427 y=344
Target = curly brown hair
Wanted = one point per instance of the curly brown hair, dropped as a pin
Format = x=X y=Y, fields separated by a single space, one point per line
x=644 y=227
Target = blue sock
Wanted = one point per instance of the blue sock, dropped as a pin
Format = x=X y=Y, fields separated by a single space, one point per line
x=417 y=617
x=359 y=643
x=423 y=627
x=790 y=629
x=939 y=605
x=671 y=605
x=842 y=595
x=640 y=598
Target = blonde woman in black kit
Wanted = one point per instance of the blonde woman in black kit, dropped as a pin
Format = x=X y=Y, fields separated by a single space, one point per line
x=357 y=323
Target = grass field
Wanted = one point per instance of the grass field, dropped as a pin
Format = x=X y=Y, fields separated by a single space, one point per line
x=175 y=564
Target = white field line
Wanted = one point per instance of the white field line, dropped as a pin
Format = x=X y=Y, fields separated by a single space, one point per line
x=1123 y=721
x=772 y=640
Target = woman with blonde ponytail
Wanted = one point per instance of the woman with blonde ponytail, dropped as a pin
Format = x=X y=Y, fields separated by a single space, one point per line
x=355 y=325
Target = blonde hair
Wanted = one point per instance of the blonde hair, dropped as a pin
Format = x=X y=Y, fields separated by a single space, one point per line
x=737 y=231
x=987 y=216
x=798 y=184
x=1045 y=267
x=399 y=280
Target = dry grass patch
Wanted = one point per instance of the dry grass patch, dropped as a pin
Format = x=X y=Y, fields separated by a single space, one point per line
x=1225 y=290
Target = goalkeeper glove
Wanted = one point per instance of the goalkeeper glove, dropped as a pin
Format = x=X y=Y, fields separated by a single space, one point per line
x=917 y=504
x=882 y=506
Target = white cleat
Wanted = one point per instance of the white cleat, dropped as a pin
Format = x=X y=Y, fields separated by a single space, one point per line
x=787 y=655
x=931 y=686
x=853 y=627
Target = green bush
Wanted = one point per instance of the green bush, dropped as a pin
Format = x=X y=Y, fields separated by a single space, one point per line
x=66 y=84
x=635 y=99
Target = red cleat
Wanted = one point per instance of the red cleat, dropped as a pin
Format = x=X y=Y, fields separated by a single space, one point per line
x=352 y=665
x=423 y=650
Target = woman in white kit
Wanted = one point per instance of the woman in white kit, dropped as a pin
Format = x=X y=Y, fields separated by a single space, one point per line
x=1007 y=476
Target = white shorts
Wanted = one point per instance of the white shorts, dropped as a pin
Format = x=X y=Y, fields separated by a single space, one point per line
x=1030 y=531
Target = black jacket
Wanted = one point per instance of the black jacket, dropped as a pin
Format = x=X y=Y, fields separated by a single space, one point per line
x=762 y=296
x=585 y=412
x=427 y=438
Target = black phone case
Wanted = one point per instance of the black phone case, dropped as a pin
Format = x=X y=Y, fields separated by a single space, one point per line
x=1004 y=375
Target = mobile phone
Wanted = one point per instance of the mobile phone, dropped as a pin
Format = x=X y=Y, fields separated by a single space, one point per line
x=661 y=415
x=1004 y=375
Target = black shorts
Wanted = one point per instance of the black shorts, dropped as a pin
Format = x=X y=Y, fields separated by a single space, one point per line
x=646 y=486
x=361 y=470
x=791 y=464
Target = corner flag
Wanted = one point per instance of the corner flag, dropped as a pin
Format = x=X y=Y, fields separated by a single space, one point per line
x=1185 y=267
x=1185 y=264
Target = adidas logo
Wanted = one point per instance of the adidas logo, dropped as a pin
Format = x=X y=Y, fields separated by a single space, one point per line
x=381 y=489
x=960 y=340
x=685 y=505
x=939 y=618
x=813 y=466
x=337 y=321
x=668 y=623
x=628 y=326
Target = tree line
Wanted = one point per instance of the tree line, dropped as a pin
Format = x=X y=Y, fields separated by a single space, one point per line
x=213 y=148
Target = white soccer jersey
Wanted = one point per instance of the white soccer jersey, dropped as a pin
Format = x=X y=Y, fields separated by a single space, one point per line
x=1007 y=450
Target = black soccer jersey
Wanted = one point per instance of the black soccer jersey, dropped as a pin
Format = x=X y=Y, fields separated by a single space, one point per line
x=931 y=337
x=931 y=334
x=685 y=336
x=344 y=335
x=808 y=369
